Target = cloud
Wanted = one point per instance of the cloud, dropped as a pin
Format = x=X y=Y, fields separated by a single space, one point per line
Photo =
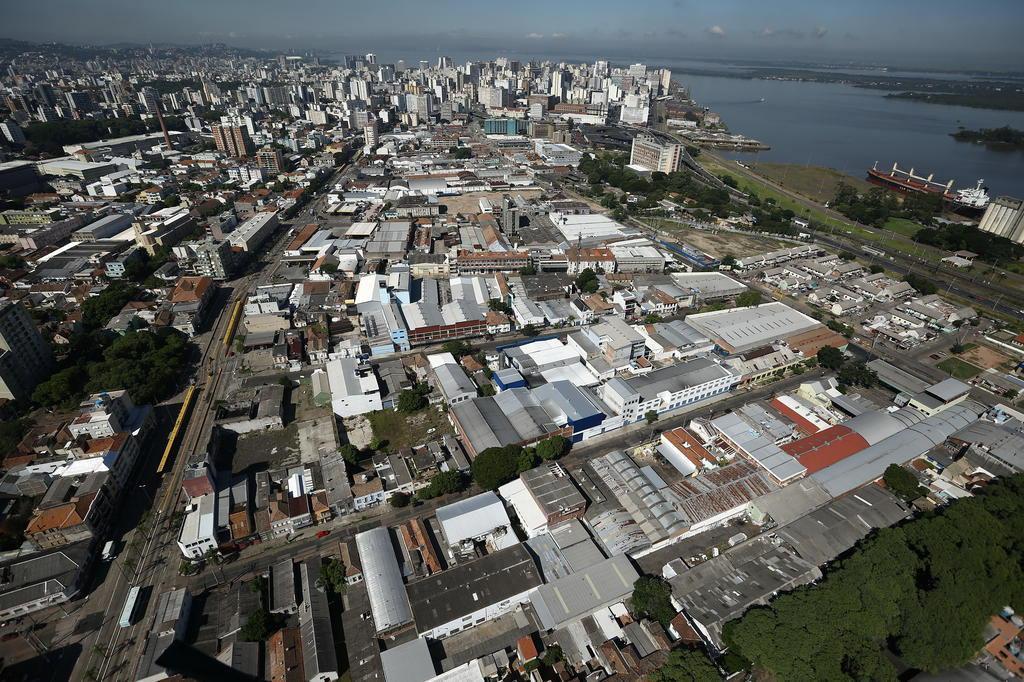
x=559 y=35
x=769 y=32
x=675 y=32
x=820 y=31
x=534 y=36
x=716 y=31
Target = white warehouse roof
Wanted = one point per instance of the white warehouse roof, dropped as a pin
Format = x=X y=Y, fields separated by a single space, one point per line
x=475 y=517
x=389 y=603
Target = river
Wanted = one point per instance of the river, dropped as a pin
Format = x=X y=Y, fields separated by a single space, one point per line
x=849 y=129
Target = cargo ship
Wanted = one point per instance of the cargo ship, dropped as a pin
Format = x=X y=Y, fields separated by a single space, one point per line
x=971 y=200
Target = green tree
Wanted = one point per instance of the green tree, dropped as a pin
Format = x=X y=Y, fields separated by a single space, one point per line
x=552 y=654
x=830 y=357
x=399 y=500
x=332 y=576
x=98 y=310
x=651 y=416
x=444 y=483
x=496 y=466
x=553 y=447
x=258 y=627
x=652 y=599
x=11 y=433
x=652 y=318
x=587 y=281
x=529 y=330
x=64 y=387
x=457 y=348
x=411 y=401
x=748 y=298
x=528 y=459
x=902 y=482
x=857 y=374
x=686 y=665
x=350 y=453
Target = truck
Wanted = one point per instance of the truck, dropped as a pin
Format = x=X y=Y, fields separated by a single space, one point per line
x=109 y=550
x=131 y=605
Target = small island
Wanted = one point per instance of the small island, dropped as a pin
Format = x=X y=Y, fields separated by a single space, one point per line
x=994 y=138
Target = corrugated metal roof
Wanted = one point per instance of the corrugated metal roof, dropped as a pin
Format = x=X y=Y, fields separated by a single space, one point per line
x=583 y=592
x=383 y=577
x=907 y=443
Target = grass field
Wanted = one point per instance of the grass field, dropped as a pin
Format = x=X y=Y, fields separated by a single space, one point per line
x=958 y=369
x=884 y=240
x=402 y=430
x=813 y=182
x=908 y=228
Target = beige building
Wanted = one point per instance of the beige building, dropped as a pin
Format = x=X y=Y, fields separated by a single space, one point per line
x=655 y=154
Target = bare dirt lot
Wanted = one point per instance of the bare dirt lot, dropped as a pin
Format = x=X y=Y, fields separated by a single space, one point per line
x=720 y=244
x=986 y=357
x=470 y=203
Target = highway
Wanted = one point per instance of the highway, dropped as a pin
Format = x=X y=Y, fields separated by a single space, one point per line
x=113 y=653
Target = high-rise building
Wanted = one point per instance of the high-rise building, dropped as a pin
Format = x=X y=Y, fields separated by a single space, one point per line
x=12 y=132
x=493 y=98
x=45 y=94
x=79 y=101
x=271 y=159
x=370 y=132
x=655 y=154
x=1004 y=217
x=150 y=98
x=232 y=140
x=371 y=58
x=25 y=358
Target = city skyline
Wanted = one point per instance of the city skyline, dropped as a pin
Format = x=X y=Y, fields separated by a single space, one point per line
x=916 y=33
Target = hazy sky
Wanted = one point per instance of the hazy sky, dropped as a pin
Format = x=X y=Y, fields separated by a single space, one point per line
x=967 y=33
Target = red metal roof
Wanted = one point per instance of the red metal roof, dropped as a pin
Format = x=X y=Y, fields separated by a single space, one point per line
x=825 y=448
x=805 y=426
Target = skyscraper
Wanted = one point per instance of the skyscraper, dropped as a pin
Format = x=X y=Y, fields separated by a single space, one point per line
x=271 y=159
x=655 y=154
x=25 y=358
x=232 y=140
x=150 y=99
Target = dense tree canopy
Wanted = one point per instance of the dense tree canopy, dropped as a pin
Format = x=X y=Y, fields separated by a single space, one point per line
x=652 y=598
x=831 y=357
x=444 y=483
x=553 y=447
x=98 y=310
x=686 y=665
x=610 y=169
x=902 y=482
x=923 y=590
x=954 y=237
x=877 y=205
x=148 y=364
x=496 y=466
x=587 y=281
x=748 y=298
